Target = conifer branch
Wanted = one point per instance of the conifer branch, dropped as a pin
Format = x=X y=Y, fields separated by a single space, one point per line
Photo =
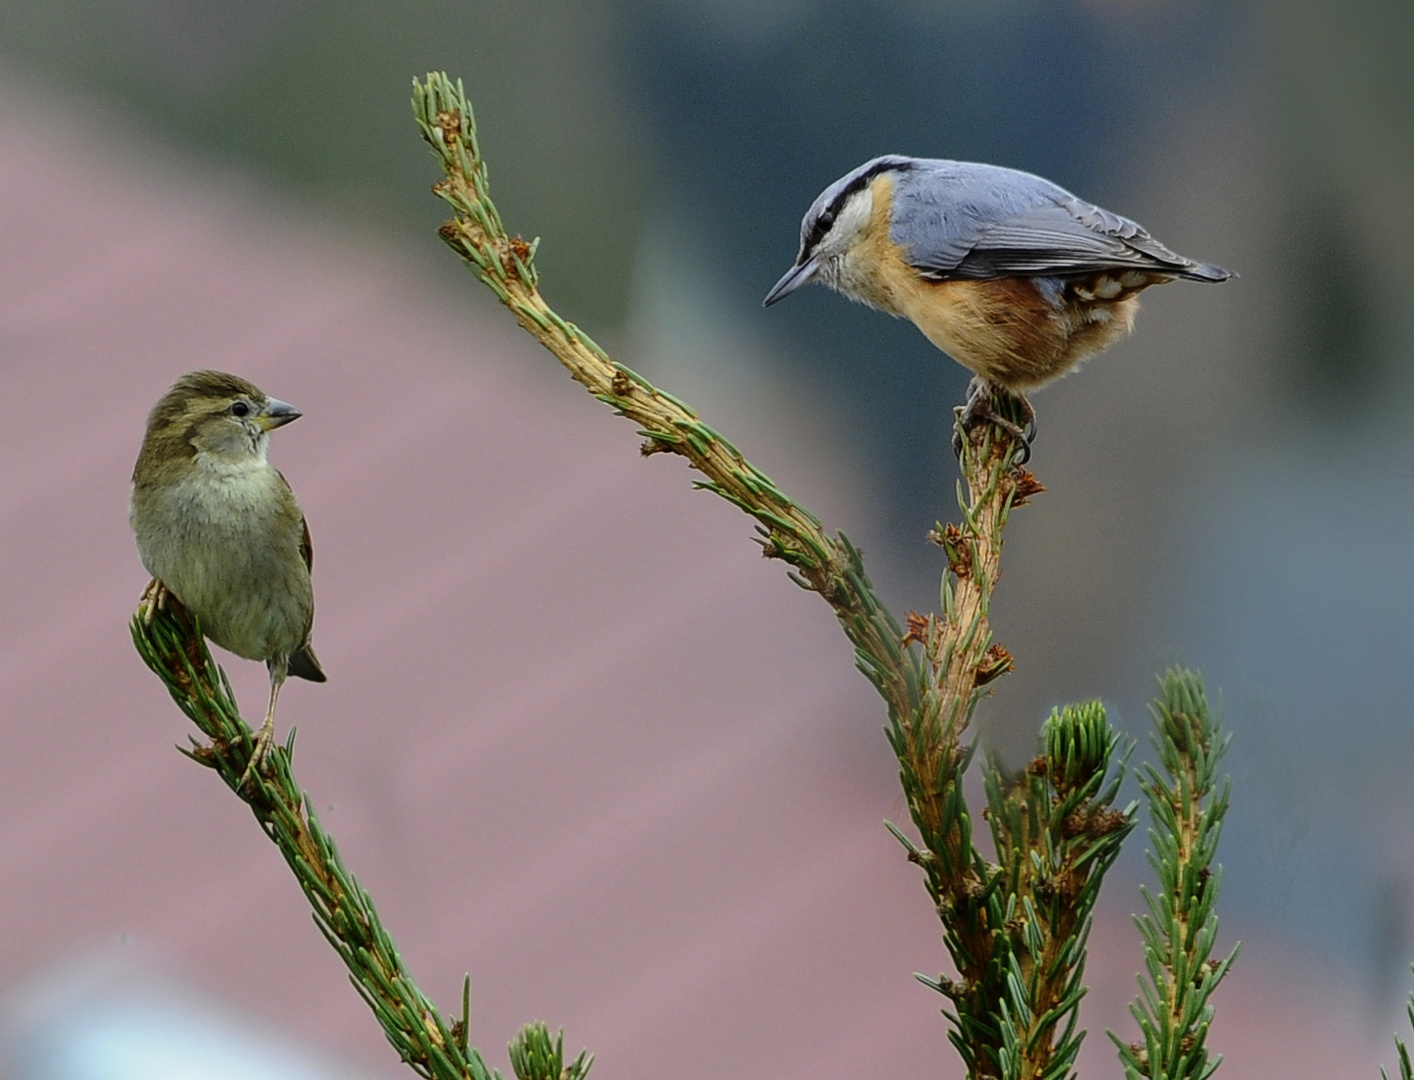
x=930 y=702
x=1186 y=808
x=1056 y=834
x=930 y=691
x=172 y=645
x=829 y=566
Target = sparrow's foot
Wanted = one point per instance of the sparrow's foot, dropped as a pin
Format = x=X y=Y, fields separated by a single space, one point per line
x=266 y=735
x=263 y=740
x=981 y=407
x=152 y=600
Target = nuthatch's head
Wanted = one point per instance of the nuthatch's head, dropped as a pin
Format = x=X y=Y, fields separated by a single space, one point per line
x=833 y=225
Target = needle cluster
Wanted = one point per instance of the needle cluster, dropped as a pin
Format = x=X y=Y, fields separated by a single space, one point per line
x=1187 y=805
x=1406 y=1067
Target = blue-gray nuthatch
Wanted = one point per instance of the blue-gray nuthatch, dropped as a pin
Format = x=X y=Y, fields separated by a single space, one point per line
x=1010 y=275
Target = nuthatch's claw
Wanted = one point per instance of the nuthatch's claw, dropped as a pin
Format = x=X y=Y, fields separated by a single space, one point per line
x=1025 y=454
x=980 y=407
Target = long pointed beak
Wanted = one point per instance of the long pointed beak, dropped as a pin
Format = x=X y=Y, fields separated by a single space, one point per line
x=795 y=277
x=277 y=413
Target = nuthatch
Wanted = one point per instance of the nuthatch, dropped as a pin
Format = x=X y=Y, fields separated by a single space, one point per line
x=1010 y=275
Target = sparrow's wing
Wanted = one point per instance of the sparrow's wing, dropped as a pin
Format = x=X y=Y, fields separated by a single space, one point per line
x=306 y=545
x=304 y=663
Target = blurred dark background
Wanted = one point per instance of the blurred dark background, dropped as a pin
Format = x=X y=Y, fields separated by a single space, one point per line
x=1230 y=489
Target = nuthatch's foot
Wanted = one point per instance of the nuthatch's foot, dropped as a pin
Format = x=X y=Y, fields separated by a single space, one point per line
x=981 y=407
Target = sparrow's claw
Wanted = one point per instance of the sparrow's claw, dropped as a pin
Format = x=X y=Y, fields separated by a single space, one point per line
x=266 y=735
x=263 y=740
x=152 y=600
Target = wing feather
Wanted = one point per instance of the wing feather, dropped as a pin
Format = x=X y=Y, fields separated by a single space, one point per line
x=957 y=220
x=306 y=545
x=303 y=663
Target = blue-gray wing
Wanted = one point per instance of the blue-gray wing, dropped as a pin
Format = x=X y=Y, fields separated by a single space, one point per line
x=979 y=222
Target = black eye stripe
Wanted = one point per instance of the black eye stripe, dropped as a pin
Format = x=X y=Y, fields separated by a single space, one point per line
x=820 y=228
x=823 y=223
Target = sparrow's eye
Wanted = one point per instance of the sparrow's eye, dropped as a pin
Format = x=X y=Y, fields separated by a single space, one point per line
x=240 y=408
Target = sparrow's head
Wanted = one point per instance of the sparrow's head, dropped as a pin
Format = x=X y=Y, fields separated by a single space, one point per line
x=209 y=413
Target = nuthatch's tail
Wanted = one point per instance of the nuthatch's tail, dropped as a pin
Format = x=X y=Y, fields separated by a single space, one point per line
x=1207 y=272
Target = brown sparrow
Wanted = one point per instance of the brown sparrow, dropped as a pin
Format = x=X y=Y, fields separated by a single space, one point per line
x=218 y=527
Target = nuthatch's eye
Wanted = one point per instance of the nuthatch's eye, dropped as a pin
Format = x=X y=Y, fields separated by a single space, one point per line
x=826 y=220
x=240 y=408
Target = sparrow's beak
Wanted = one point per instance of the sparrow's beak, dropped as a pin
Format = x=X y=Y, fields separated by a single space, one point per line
x=277 y=413
x=795 y=277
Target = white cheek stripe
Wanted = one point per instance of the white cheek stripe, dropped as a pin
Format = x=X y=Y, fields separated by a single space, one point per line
x=853 y=217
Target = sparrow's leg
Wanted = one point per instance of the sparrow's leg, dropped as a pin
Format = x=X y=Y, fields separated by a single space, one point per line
x=981 y=406
x=266 y=735
x=152 y=600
